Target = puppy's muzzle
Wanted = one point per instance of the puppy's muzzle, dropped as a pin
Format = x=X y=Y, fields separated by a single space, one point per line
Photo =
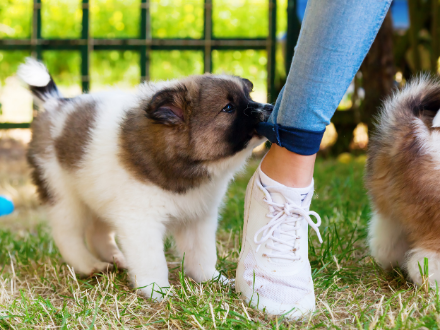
x=261 y=111
x=266 y=112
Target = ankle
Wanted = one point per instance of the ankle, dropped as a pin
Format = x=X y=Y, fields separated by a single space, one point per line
x=288 y=168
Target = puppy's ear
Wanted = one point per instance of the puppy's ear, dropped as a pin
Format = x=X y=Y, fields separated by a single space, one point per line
x=248 y=84
x=168 y=106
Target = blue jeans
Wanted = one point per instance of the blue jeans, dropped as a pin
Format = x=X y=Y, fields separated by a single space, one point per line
x=334 y=40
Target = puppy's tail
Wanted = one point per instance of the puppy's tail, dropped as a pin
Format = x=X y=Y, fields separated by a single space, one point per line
x=418 y=100
x=41 y=84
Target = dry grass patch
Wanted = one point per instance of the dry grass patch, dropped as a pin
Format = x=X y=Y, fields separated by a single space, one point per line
x=38 y=290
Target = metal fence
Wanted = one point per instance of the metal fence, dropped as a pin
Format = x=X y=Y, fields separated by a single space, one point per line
x=144 y=44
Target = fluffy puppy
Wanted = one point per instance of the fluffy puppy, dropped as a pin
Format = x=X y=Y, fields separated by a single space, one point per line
x=402 y=180
x=138 y=165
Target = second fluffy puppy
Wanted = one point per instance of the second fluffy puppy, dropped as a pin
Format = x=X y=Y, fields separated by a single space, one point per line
x=401 y=177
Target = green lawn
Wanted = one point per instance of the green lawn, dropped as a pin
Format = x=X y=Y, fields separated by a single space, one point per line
x=37 y=290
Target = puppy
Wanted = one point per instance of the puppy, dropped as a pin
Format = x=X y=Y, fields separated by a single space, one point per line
x=140 y=165
x=402 y=178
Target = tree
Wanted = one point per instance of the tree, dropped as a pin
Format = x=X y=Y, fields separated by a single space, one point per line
x=378 y=72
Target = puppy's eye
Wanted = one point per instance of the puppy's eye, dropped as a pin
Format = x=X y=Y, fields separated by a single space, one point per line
x=229 y=108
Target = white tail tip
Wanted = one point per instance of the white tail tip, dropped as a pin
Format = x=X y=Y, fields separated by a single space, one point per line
x=33 y=73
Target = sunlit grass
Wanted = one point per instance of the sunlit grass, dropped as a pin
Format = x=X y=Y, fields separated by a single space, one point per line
x=37 y=290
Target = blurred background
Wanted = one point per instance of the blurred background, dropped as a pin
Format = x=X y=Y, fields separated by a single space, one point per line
x=91 y=45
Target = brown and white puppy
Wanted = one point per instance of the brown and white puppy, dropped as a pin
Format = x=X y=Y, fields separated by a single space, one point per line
x=140 y=165
x=403 y=180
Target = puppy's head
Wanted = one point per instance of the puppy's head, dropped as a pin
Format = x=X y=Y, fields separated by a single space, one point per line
x=208 y=117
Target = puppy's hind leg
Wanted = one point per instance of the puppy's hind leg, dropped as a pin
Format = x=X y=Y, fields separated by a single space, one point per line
x=101 y=241
x=387 y=240
x=68 y=217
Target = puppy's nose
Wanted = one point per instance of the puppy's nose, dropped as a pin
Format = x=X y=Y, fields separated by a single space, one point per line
x=266 y=111
x=268 y=107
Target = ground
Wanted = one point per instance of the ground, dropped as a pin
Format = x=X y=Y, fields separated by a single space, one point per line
x=38 y=290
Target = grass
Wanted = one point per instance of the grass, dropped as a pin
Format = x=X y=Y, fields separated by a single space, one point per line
x=38 y=290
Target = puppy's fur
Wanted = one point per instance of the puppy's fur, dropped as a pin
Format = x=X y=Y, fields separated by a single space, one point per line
x=140 y=165
x=402 y=180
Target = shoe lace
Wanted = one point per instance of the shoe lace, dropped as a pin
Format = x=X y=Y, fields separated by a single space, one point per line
x=284 y=220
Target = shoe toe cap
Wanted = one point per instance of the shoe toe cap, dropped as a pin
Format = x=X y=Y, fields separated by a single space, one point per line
x=293 y=311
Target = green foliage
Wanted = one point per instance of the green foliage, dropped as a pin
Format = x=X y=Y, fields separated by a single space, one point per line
x=53 y=17
x=64 y=65
x=36 y=245
x=177 y=18
x=121 y=19
x=9 y=62
x=175 y=64
x=115 y=18
x=109 y=67
x=240 y=18
x=281 y=16
x=250 y=64
x=15 y=18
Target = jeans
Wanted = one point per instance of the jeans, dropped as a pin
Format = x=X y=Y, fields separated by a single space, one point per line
x=334 y=40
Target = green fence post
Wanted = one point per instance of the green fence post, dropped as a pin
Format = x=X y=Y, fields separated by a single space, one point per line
x=293 y=28
x=271 y=44
x=435 y=36
x=36 y=52
x=207 y=32
x=86 y=47
x=413 y=32
x=145 y=35
x=36 y=30
x=144 y=43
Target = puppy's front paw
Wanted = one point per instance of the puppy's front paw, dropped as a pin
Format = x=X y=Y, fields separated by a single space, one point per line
x=102 y=267
x=222 y=279
x=93 y=268
x=210 y=276
x=155 y=290
x=119 y=260
x=416 y=260
x=201 y=275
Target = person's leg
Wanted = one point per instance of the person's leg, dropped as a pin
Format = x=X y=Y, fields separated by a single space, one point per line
x=289 y=168
x=273 y=271
x=335 y=38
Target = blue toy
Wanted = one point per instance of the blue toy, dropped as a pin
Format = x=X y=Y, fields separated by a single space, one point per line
x=6 y=206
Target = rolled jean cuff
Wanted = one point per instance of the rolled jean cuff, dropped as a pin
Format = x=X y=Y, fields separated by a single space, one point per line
x=299 y=141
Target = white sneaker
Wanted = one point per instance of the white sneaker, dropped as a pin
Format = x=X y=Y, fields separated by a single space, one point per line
x=273 y=271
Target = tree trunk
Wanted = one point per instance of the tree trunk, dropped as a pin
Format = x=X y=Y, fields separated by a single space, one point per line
x=435 y=35
x=293 y=28
x=414 y=10
x=378 y=72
